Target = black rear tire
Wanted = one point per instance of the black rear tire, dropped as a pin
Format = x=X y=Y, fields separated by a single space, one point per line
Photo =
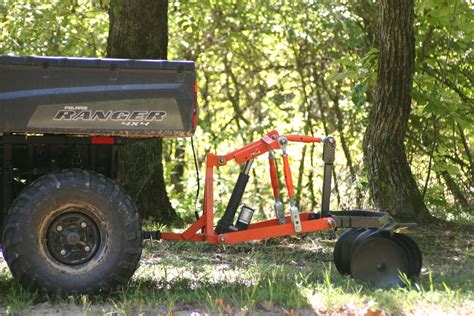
x=73 y=231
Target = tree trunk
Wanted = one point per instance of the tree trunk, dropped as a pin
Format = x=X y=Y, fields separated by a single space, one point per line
x=391 y=181
x=139 y=30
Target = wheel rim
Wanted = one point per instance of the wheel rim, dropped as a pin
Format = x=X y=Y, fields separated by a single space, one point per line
x=379 y=261
x=73 y=238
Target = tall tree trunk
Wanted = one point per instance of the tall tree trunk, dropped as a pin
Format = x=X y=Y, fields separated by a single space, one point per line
x=391 y=181
x=139 y=29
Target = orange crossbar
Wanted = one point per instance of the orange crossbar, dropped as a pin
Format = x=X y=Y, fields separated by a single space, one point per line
x=303 y=138
x=274 y=231
x=257 y=231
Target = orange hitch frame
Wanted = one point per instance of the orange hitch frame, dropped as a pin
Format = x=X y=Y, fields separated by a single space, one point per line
x=203 y=229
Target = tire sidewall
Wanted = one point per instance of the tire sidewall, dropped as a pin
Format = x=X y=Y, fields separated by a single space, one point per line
x=109 y=207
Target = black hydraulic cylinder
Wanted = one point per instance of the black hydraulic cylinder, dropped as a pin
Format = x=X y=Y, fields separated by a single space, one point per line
x=226 y=222
x=329 y=149
x=228 y=219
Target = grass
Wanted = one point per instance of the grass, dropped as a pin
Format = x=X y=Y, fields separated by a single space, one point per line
x=292 y=275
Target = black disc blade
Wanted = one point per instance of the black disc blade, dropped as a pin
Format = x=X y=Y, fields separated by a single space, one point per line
x=360 y=238
x=411 y=256
x=337 y=253
x=378 y=261
x=415 y=251
x=341 y=258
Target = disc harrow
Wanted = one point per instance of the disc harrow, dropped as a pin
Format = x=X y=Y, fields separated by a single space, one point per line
x=378 y=257
x=369 y=250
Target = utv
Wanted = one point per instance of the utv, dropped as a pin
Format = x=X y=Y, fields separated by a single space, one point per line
x=66 y=224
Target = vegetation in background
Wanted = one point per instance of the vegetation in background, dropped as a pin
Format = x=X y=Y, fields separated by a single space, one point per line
x=300 y=67
x=310 y=66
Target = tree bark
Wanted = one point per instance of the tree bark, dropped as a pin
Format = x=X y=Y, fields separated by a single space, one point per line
x=391 y=181
x=139 y=30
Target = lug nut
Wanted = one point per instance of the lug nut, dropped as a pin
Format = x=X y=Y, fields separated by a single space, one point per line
x=59 y=228
x=87 y=248
x=63 y=252
x=83 y=224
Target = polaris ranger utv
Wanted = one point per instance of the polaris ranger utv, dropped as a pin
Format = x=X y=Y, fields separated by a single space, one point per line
x=67 y=225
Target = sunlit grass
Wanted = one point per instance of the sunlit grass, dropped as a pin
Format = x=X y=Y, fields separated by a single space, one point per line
x=283 y=276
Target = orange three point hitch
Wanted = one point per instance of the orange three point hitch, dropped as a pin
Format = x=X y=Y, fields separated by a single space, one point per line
x=203 y=229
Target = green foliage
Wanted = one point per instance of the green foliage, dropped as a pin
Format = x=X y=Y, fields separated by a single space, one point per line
x=54 y=28
x=442 y=120
x=300 y=67
x=275 y=64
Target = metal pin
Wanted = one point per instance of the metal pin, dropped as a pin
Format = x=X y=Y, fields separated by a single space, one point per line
x=59 y=228
x=87 y=248
x=63 y=252
x=83 y=224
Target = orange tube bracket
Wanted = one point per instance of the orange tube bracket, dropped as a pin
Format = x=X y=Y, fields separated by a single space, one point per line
x=273 y=176
x=288 y=178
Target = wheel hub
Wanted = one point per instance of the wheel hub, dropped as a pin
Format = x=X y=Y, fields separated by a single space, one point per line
x=381 y=266
x=73 y=237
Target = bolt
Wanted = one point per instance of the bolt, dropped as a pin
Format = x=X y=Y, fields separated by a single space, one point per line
x=331 y=223
x=222 y=160
x=83 y=224
x=283 y=141
x=59 y=228
x=63 y=252
x=87 y=248
x=380 y=266
x=222 y=239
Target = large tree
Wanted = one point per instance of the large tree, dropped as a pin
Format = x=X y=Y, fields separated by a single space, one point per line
x=391 y=181
x=139 y=29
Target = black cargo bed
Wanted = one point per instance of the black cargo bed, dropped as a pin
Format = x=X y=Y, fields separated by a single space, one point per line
x=91 y=96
